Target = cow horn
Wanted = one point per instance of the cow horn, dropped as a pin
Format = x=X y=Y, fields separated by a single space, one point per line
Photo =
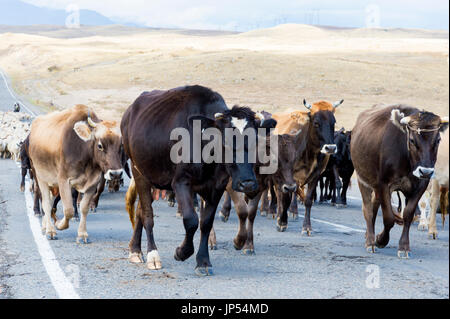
x=259 y=116
x=218 y=116
x=90 y=121
x=336 y=104
x=405 y=120
x=306 y=104
x=444 y=120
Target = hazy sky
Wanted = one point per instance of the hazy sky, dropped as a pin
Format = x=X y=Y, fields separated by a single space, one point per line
x=243 y=15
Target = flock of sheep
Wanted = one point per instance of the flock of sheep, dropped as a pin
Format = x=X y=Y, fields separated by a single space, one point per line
x=14 y=129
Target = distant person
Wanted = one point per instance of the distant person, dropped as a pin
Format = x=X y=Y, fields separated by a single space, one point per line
x=16 y=107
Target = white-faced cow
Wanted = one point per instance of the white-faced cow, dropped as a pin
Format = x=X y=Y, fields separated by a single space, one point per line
x=394 y=148
x=72 y=149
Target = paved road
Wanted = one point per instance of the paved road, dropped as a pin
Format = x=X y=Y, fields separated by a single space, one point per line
x=331 y=264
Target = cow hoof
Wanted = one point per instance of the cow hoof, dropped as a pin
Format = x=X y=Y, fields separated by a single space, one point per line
x=22 y=188
x=281 y=228
x=135 y=258
x=179 y=216
x=239 y=242
x=339 y=206
x=223 y=217
x=263 y=213
x=83 y=240
x=51 y=236
x=204 y=271
x=153 y=260
x=371 y=249
x=294 y=216
x=77 y=218
x=61 y=224
x=271 y=216
x=423 y=226
x=404 y=254
x=180 y=256
x=213 y=247
x=248 y=252
x=433 y=235
x=171 y=204
x=307 y=231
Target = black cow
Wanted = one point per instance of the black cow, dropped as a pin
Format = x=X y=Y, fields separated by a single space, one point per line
x=146 y=129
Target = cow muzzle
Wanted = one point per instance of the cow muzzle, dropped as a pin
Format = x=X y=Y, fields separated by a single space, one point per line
x=423 y=172
x=287 y=188
x=247 y=186
x=113 y=174
x=329 y=149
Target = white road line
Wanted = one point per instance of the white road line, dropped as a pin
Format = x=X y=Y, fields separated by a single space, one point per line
x=62 y=285
x=12 y=94
x=342 y=228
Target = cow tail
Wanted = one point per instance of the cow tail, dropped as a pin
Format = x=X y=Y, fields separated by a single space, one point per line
x=399 y=208
x=130 y=199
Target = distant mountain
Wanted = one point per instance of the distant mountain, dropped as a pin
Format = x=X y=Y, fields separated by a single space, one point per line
x=16 y=12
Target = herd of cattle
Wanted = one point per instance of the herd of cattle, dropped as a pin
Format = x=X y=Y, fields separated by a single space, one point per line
x=70 y=155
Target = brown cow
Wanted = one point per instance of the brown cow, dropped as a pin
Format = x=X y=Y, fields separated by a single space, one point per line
x=73 y=149
x=394 y=148
x=317 y=133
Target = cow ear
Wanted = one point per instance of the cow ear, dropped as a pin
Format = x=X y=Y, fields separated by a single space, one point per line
x=205 y=121
x=83 y=131
x=444 y=124
x=269 y=123
x=399 y=119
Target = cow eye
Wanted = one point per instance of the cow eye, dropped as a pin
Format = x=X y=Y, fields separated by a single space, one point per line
x=412 y=141
x=100 y=147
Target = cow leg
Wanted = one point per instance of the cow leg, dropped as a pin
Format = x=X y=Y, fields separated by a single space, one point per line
x=321 y=187
x=273 y=202
x=337 y=187
x=264 y=208
x=226 y=208
x=212 y=241
x=204 y=267
x=242 y=211
x=370 y=207
x=345 y=184
x=84 y=207
x=100 y=188
x=37 y=197
x=135 y=255
x=47 y=200
x=22 y=183
x=74 y=204
x=435 y=192
x=65 y=191
x=171 y=199
x=408 y=216
x=293 y=204
x=284 y=201
x=308 y=203
x=249 y=248
x=382 y=239
x=55 y=207
x=183 y=193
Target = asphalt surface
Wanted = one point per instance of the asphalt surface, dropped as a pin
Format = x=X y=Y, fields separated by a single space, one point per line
x=332 y=263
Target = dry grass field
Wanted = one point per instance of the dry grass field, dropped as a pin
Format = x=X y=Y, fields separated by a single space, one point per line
x=270 y=69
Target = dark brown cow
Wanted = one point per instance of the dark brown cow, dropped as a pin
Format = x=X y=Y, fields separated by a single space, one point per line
x=146 y=127
x=72 y=149
x=394 y=149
